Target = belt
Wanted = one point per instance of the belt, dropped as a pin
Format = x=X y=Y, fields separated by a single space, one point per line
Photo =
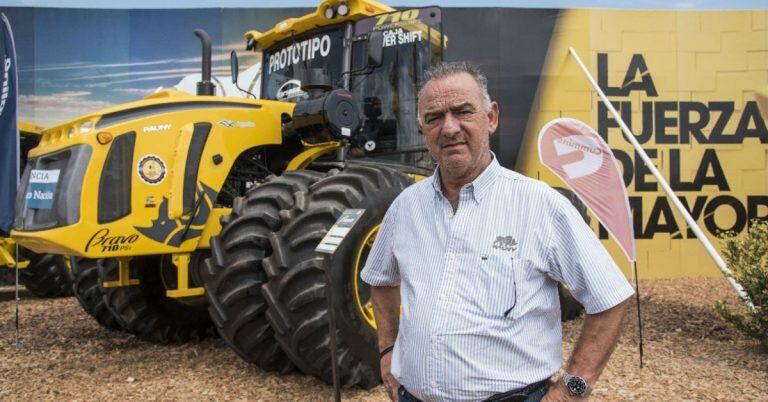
x=517 y=395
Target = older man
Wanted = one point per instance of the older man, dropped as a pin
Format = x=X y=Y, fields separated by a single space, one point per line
x=475 y=253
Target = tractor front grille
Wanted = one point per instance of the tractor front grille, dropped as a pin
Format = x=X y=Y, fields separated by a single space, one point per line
x=50 y=189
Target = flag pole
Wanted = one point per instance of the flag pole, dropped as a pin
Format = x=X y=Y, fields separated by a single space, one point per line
x=16 y=297
x=671 y=194
x=639 y=317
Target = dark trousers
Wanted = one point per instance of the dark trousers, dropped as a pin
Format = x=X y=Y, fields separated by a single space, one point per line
x=531 y=393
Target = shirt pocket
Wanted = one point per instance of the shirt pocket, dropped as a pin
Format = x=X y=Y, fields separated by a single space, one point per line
x=499 y=285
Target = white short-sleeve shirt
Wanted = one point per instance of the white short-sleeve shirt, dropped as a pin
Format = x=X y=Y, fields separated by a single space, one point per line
x=480 y=308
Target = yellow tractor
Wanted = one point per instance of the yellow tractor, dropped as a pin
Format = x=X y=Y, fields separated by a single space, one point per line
x=177 y=205
x=190 y=215
x=44 y=275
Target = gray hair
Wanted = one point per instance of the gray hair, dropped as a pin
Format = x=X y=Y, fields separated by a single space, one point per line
x=445 y=69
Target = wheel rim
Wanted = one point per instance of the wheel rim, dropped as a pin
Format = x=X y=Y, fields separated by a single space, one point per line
x=361 y=289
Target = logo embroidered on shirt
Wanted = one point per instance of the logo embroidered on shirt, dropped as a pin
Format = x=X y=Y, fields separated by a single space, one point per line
x=505 y=243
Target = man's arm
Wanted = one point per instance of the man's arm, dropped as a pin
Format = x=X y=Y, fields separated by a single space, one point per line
x=597 y=340
x=386 y=308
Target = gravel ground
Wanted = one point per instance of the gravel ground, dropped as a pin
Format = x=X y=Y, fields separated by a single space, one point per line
x=690 y=354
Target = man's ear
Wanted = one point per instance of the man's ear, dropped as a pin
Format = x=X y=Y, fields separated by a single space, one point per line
x=493 y=118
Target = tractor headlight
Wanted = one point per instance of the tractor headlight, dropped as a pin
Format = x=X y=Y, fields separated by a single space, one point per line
x=343 y=9
x=329 y=12
x=86 y=127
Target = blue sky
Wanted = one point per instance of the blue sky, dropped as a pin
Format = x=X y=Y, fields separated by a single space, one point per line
x=633 y=4
x=101 y=58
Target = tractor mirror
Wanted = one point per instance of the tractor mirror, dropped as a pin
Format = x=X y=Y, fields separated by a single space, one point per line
x=234 y=67
x=375 y=48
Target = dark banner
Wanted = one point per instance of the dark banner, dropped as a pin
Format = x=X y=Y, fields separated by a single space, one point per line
x=9 y=130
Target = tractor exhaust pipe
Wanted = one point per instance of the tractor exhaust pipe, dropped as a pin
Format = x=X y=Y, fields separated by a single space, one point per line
x=205 y=87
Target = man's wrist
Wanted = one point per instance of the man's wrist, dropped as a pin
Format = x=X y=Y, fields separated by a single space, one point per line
x=575 y=385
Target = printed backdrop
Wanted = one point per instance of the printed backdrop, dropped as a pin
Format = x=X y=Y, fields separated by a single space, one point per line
x=693 y=86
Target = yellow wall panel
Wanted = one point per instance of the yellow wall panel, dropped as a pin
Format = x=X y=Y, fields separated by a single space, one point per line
x=745 y=41
x=698 y=81
x=735 y=21
x=724 y=61
x=755 y=180
x=700 y=42
x=729 y=80
x=658 y=41
x=757 y=60
x=723 y=90
x=759 y=20
x=571 y=101
x=688 y=22
x=641 y=21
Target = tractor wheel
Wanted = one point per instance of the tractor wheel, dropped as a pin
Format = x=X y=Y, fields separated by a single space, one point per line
x=46 y=275
x=85 y=285
x=233 y=275
x=297 y=288
x=570 y=308
x=146 y=311
x=7 y=276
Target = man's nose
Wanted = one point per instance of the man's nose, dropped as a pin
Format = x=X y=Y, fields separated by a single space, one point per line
x=451 y=125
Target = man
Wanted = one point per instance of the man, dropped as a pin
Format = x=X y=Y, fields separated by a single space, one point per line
x=475 y=253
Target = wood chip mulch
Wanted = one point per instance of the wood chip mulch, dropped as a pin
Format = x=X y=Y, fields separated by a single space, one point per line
x=690 y=354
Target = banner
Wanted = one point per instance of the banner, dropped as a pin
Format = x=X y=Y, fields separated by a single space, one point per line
x=691 y=85
x=576 y=154
x=9 y=130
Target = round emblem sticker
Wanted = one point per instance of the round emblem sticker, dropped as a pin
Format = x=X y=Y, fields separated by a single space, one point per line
x=151 y=169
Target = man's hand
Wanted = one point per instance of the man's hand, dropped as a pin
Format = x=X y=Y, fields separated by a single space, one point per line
x=597 y=340
x=558 y=393
x=386 y=376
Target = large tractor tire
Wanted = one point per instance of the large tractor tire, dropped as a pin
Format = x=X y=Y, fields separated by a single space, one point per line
x=46 y=275
x=7 y=276
x=570 y=308
x=146 y=311
x=85 y=285
x=233 y=275
x=297 y=288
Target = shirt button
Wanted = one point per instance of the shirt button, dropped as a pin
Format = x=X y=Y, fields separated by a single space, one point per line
x=433 y=384
x=434 y=338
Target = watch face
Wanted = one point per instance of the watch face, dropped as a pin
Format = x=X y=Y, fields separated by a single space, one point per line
x=576 y=386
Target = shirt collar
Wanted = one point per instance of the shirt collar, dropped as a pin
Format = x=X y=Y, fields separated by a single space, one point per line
x=478 y=187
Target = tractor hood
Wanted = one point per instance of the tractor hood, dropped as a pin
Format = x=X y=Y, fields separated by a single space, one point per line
x=139 y=178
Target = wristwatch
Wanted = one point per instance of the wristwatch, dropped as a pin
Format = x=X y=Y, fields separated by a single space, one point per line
x=575 y=385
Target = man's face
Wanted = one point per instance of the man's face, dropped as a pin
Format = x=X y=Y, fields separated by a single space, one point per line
x=455 y=125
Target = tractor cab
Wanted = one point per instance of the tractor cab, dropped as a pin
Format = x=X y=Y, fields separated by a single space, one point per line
x=379 y=59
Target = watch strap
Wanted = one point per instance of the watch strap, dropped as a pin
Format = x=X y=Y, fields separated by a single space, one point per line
x=575 y=385
x=386 y=350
